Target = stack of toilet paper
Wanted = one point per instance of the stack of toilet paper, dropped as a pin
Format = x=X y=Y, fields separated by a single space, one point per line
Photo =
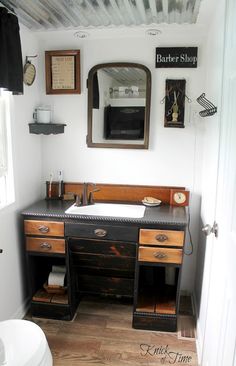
x=57 y=276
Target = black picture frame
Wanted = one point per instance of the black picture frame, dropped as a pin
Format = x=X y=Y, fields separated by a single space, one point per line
x=174 y=103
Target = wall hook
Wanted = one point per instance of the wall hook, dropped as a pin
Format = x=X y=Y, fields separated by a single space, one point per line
x=27 y=58
x=188 y=99
x=210 y=108
x=162 y=101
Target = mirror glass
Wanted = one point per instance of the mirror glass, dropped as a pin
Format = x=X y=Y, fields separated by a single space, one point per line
x=119 y=105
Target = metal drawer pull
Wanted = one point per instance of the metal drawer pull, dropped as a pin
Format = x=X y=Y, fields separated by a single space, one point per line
x=161 y=237
x=160 y=255
x=43 y=229
x=46 y=245
x=100 y=232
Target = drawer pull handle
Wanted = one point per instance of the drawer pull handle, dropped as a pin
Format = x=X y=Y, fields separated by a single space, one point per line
x=46 y=246
x=161 y=238
x=160 y=255
x=43 y=229
x=100 y=232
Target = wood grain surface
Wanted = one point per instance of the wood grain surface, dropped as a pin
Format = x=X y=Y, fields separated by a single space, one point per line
x=122 y=192
x=101 y=334
x=46 y=228
x=160 y=255
x=45 y=245
x=161 y=237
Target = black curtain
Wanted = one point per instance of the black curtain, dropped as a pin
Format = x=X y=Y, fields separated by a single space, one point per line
x=11 y=68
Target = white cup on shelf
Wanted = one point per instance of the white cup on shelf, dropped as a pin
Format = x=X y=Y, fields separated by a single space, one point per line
x=42 y=114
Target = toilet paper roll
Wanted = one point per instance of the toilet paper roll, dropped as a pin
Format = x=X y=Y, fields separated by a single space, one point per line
x=56 y=279
x=60 y=269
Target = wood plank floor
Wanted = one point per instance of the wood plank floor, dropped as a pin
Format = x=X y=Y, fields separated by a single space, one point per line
x=101 y=334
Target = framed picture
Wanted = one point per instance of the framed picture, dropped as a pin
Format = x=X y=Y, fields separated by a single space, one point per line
x=62 y=70
x=174 y=103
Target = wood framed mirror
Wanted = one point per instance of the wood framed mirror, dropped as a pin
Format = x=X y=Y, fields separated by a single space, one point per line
x=119 y=96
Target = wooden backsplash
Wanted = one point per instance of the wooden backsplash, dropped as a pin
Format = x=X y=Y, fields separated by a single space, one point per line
x=123 y=192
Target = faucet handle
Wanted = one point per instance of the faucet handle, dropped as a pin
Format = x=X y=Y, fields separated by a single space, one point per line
x=95 y=188
x=90 y=200
x=78 y=200
x=91 y=196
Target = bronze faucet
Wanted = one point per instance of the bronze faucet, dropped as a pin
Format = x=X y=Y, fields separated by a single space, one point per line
x=87 y=199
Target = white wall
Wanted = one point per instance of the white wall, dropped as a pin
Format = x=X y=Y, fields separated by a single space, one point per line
x=27 y=164
x=172 y=157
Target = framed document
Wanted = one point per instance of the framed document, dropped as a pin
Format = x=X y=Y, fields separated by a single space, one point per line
x=62 y=72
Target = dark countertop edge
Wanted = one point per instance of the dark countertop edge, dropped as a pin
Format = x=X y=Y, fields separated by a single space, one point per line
x=110 y=219
x=55 y=209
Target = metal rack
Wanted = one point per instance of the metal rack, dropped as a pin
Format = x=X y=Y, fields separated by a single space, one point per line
x=210 y=108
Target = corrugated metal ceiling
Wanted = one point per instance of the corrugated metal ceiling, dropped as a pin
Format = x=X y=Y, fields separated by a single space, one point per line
x=126 y=75
x=69 y=14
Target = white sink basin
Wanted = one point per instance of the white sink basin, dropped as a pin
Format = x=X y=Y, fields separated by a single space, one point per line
x=108 y=209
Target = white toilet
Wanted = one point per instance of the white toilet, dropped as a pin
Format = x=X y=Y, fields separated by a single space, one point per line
x=23 y=343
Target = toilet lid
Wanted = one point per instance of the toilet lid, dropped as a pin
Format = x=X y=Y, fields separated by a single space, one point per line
x=24 y=342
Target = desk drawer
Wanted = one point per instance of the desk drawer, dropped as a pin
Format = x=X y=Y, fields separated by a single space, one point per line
x=160 y=255
x=49 y=228
x=45 y=245
x=100 y=231
x=161 y=237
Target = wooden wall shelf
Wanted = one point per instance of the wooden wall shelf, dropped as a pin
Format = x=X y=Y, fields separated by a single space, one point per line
x=46 y=128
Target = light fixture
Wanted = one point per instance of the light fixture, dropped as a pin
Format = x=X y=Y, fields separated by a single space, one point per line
x=81 y=34
x=153 y=32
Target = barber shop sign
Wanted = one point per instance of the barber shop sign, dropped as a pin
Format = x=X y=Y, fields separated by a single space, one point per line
x=176 y=57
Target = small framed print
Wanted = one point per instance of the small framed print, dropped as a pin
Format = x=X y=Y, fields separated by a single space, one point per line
x=62 y=72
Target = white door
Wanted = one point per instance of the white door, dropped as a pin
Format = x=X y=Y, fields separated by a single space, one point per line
x=220 y=331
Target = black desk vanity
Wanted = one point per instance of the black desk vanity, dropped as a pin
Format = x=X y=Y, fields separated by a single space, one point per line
x=136 y=258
